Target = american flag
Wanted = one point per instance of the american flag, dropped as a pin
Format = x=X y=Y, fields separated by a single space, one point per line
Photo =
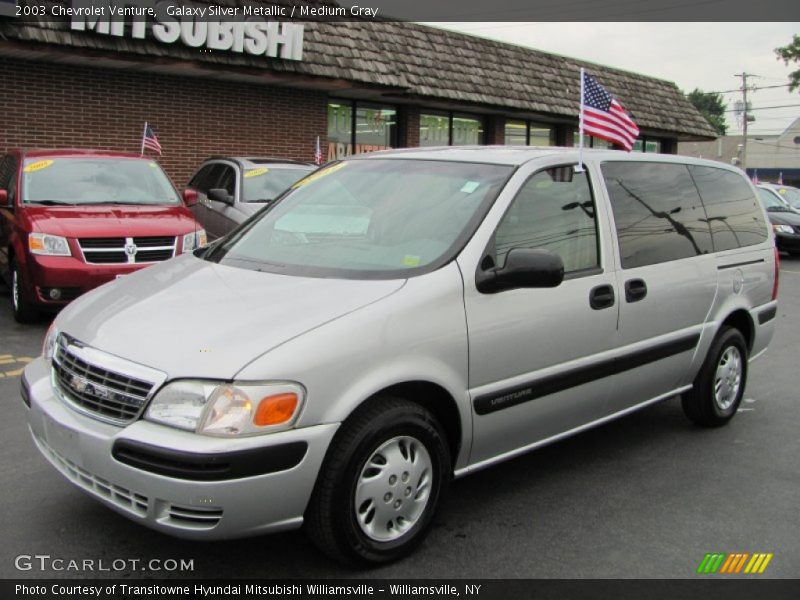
x=604 y=117
x=755 y=177
x=150 y=141
x=318 y=153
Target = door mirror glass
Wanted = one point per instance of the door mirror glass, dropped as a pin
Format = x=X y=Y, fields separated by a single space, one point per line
x=524 y=268
x=220 y=195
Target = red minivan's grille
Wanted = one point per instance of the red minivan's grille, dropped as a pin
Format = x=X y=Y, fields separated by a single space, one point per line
x=127 y=250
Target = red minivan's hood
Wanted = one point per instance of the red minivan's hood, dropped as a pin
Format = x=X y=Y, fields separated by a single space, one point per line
x=111 y=220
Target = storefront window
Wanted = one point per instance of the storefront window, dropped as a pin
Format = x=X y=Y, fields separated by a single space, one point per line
x=541 y=135
x=467 y=131
x=448 y=129
x=340 y=122
x=652 y=146
x=375 y=128
x=516 y=133
x=529 y=133
x=434 y=130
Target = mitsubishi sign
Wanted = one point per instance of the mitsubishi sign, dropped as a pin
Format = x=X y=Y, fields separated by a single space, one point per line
x=192 y=25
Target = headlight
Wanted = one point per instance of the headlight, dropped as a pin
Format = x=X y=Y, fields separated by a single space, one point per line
x=48 y=245
x=227 y=409
x=195 y=239
x=49 y=344
x=782 y=228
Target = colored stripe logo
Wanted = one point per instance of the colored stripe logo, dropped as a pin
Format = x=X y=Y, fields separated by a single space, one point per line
x=734 y=563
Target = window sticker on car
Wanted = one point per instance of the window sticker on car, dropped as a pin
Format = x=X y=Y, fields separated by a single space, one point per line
x=470 y=187
x=411 y=261
x=256 y=172
x=319 y=174
x=37 y=166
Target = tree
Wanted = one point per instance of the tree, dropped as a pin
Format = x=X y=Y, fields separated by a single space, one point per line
x=712 y=107
x=791 y=53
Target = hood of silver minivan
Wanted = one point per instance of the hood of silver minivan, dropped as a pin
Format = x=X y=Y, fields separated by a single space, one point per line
x=192 y=318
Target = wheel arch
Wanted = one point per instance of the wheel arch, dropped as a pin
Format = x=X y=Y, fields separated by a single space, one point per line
x=435 y=399
x=740 y=319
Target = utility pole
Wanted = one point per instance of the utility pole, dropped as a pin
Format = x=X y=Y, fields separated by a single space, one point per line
x=743 y=75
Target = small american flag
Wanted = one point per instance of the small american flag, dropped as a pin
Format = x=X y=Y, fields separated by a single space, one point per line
x=755 y=177
x=604 y=117
x=780 y=178
x=150 y=141
x=318 y=153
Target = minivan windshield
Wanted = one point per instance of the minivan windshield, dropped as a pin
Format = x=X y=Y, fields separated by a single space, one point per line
x=771 y=202
x=375 y=218
x=95 y=180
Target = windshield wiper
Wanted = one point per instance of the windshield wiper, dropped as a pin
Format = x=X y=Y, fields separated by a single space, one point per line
x=52 y=203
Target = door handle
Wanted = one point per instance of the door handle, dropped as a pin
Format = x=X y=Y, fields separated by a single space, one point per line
x=601 y=297
x=635 y=290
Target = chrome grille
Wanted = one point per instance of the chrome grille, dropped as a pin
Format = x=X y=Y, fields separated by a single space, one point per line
x=110 y=396
x=127 y=250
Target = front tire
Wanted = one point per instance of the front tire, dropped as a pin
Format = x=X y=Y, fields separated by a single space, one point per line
x=24 y=311
x=378 y=488
x=719 y=387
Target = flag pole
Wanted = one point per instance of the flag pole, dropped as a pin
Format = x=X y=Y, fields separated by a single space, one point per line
x=144 y=133
x=579 y=168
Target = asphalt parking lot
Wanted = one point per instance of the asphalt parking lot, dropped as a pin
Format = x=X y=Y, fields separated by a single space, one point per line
x=646 y=496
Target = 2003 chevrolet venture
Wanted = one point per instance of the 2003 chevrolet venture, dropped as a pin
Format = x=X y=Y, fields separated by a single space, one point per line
x=397 y=319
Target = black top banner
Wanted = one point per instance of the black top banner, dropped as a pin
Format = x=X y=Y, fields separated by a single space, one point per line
x=411 y=10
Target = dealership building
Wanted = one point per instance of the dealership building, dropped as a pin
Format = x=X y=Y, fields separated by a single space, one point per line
x=273 y=88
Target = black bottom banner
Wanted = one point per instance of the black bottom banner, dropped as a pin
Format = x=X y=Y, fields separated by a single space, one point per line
x=376 y=589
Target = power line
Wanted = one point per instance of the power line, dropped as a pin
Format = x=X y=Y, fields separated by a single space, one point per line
x=764 y=107
x=752 y=89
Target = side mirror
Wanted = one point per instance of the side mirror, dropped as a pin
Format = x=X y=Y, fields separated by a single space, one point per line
x=220 y=195
x=524 y=268
x=189 y=197
x=3 y=197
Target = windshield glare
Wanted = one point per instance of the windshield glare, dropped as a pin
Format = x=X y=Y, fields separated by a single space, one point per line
x=370 y=218
x=264 y=184
x=791 y=195
x=770 y=201
x=85 y=181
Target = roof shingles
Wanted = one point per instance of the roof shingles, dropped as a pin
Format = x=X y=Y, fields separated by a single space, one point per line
x=425 y=62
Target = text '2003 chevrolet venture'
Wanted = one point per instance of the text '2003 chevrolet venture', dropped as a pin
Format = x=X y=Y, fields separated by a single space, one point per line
x=397 y=319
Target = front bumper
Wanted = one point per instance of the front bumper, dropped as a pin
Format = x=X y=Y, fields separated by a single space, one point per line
x=70 y=275
x=83 y=449
x=787 y=242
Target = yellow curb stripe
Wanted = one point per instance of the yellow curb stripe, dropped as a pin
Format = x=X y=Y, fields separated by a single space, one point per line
x=765 y=563
x=7 y=361
x=16 y=373
x=5 y=356
x=758 y=563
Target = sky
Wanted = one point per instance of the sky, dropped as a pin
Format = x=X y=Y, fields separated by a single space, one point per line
x=693 y=55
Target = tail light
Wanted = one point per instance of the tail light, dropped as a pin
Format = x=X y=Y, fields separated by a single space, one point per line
x=777 y=276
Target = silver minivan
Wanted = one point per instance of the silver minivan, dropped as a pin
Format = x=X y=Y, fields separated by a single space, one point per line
x=398 y=319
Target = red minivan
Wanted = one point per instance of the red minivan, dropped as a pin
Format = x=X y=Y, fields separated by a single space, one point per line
x=71 y=220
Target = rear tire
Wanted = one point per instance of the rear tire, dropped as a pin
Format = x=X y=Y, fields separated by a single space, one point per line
x=719 y=387
x=24 y=311
x=386 y=471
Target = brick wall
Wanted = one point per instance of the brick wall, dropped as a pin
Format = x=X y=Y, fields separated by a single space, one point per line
x=49 y=106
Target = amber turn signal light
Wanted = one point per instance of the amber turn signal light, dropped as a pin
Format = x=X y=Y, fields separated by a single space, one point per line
x=274 y=410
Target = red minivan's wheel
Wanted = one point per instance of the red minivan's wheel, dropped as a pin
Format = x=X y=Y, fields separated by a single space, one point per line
x=24 y=311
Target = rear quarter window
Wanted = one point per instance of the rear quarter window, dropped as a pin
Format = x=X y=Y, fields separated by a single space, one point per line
x=734 y=214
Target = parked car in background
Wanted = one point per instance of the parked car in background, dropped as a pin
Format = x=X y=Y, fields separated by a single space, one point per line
x=785 y=219
x=231 y=189
x=71 y=220
x=398 y=319
x=787 y=193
